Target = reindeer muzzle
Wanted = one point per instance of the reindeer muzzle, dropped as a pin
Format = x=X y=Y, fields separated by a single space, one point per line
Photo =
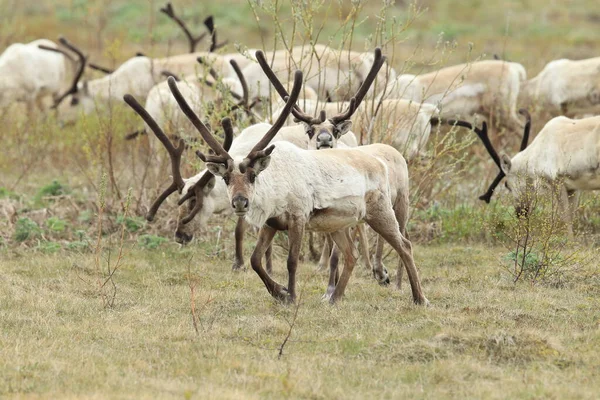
x=240 y=205
x=182 y=237
x=324 y=140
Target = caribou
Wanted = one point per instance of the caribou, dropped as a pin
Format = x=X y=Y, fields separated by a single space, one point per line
x=324 y=133
x=564 y=157
x=564 y=87
x=326 y=191
x=489 y=87
x=29 y=72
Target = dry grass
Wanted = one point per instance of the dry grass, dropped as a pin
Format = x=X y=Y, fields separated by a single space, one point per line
x=481 y=338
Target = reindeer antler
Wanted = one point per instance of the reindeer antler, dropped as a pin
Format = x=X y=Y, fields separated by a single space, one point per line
x=57 y=50
x=259 y=150
x=100 y=68
x=487 y=196
x=174 y=153
x=355 y=101
x=209 y=22
x=78 y=74
x=169 y=11
x=221 y=154
x=378 y=62
x=196 y=190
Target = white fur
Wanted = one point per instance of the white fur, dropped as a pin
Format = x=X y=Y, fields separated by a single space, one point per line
x=569 y=82
x=463 y=90
x=28 y=73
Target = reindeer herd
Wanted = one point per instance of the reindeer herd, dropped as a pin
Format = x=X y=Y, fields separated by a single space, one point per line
x=306 y=172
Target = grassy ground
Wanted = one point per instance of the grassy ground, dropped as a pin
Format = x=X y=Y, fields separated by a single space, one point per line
x=482 y=337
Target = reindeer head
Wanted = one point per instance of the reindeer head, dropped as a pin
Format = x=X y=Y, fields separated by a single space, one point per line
x=241 y=175
x=75 y=87
x=196 y=189
x=513 y=169
x=323 y=132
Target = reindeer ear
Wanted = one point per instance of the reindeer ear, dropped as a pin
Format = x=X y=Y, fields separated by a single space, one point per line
x=209 y=186
x=217 y=169
x=506 y=163
x=261 y=164
x=343 y=127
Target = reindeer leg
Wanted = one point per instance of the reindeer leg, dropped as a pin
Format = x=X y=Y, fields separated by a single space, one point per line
x=380 y=217
x=295 y=233
x=363 y=241
x=269 y=256
x=344 y=242
x=334 y=276
x=265 y=238
x=240 y=228
x=325 y=253
x=379 y=271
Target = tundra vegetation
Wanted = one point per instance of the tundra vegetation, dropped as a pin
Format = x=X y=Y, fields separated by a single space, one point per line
x=97 y=301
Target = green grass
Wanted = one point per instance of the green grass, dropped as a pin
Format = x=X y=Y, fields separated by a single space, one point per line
x=482 y=337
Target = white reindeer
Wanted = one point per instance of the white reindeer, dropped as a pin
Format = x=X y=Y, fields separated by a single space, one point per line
x=489 y=87
x=564 y=157
x=564 y=87
x=29 y=73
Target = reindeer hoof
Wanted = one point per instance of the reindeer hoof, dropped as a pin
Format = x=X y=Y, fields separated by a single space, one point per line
x=237 y=266
x=422 y=302
x=383 y=279
x=281 y=293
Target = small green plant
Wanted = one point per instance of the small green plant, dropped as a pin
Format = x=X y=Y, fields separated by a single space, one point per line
x=150 y=241
x=8 y=194
x=132 y=224
x=78 y=246
x=56 y=224
x=26 y=229
x=52 y=189
x=49 y=247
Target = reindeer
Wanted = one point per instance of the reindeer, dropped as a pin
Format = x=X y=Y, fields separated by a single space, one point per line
x=564 y=156
x=29 y=72
x=204 y=195
x=489 y=87
x=325 y=190
x=564 y=87
x=326 y=132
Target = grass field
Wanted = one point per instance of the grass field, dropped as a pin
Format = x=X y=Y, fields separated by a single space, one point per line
x=484 y=336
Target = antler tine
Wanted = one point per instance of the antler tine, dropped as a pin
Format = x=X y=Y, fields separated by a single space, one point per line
x=262 y=60
x=100 y=68
x=257 y=151
x=169 y=11
x=242 y=78
x=174 y=153
x=209 y=22
x=526 y=129
x=204 y=131
x=483 y=136
x=211 y=70
x=78 y=74
x=378 y=62
x=57 y=50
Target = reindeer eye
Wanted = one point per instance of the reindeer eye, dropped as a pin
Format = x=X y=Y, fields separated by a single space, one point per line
x=74 y=101
x=252 y=177
x=226 y=179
